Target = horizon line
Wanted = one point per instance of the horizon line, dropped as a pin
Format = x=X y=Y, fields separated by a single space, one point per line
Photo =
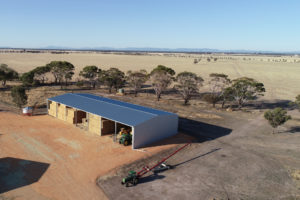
x=155 y=49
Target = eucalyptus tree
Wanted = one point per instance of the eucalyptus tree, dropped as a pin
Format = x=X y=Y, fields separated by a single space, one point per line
x=188 y=83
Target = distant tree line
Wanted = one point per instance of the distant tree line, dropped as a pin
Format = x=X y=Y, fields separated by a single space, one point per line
x=187 y=84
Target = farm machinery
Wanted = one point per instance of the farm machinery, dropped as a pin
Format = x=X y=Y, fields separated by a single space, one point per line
x=133 y=177
x=126 y=137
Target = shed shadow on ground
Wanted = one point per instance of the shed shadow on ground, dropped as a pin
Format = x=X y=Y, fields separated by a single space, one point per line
x=16 y=173
x=193 y=131
x=202 y=131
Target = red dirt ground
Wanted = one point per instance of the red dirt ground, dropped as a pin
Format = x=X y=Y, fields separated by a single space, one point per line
x=76 y=157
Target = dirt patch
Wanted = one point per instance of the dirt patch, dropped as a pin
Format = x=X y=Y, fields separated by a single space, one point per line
x=75 y=157
x=72 y=144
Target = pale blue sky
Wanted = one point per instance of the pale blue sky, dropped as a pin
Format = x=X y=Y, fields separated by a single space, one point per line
x=223 y=24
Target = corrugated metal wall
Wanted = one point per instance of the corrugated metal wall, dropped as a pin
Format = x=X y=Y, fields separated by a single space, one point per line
x=154 y=130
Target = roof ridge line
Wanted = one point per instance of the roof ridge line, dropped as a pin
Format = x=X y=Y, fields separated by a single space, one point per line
x=78 y=94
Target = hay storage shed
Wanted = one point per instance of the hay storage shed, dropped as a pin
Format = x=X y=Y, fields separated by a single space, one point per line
x=102 y=116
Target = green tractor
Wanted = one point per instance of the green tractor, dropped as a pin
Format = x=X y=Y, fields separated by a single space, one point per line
x=126 y=139
x=132 y=179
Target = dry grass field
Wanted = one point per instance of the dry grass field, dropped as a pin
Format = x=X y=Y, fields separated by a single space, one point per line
x=280 y=74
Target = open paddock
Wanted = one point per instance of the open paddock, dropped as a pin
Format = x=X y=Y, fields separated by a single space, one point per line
x=280 y=74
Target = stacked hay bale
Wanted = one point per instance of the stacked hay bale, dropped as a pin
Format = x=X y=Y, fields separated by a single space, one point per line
x=84 y=123
x=70 y=115
x=61 y=112
x=94 y=124
x=52 y=109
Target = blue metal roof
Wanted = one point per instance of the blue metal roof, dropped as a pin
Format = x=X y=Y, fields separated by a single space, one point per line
x=123 y=112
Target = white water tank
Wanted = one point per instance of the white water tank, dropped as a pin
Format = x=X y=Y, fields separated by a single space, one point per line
x=27 y=111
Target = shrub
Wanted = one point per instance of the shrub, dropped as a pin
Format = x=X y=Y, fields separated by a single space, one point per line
x=79 y=83
x=19 y=96
x=276 y=117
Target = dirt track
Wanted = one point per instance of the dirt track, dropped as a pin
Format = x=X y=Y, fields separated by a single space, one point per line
x=44 y=158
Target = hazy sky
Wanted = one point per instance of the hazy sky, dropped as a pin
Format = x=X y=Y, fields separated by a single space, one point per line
x=222 y=24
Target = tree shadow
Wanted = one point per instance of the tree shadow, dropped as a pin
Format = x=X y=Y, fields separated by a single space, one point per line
x=77 y=89
x=169 y=91
x=264 y=105
x=146 y=86
x=15 y=173
x=294 y=129
x=7 y=88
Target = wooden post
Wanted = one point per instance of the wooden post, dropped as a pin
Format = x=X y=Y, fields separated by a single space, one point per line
x=56 y=114
x=65 y=113
x=47 y=107
x=115 y=137
x=100 y=126
x=75 y=117
x=88 y=121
